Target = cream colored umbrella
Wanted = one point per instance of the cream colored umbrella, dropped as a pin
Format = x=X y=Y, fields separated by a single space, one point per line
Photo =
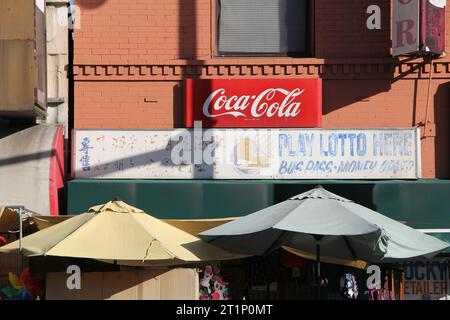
x=195 y=226
x=121 y=233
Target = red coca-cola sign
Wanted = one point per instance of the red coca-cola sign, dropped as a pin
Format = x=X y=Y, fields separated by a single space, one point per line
x=253 y=102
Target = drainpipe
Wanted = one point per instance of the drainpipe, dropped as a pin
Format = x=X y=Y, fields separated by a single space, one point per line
x=429 y=127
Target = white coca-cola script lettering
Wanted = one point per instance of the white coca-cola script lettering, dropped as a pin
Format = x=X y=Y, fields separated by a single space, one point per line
x=259 y=105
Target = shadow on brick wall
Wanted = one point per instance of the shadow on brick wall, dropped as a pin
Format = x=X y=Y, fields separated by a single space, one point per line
x=340 y=93
x=347 y=36
x=342 y=31
x=189 y=51
x=187 y=29
x=90 y=4
x=441 y=119
x=178 y=100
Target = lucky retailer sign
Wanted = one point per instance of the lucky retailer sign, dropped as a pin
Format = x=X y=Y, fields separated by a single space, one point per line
x=426 y=280
x=247 y=154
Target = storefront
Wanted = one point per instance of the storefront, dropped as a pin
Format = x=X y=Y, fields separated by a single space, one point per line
x=214 y=172
x=204 y=197
x=365 y=109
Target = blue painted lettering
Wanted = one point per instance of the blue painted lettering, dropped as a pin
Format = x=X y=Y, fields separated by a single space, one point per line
x=361 y=145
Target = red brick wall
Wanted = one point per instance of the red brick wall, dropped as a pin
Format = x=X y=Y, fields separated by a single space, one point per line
x=341 y=30
x=402 y=103
x=143 y=31
x=131 y=57
x=127 y=104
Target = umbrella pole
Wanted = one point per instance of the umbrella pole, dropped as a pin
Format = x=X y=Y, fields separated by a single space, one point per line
x=20 y=239
x=20 y=208
x=318 y=238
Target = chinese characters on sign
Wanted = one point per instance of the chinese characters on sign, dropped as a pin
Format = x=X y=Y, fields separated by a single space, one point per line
x=85 y=159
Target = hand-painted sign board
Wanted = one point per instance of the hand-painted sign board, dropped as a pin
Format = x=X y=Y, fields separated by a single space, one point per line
x=247 y=154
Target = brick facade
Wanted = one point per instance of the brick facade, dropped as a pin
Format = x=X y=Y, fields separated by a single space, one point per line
x=130 y=58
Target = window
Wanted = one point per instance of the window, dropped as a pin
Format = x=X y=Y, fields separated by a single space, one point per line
x=258 y=27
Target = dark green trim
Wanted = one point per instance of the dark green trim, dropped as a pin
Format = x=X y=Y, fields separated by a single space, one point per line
x=421 y=204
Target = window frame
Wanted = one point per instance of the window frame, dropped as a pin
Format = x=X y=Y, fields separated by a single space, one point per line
x=310 y=37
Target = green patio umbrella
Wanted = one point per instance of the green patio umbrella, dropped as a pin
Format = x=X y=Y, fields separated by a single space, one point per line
x=327 y=224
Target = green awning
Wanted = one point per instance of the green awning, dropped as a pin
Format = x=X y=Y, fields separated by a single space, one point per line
x=421 y=204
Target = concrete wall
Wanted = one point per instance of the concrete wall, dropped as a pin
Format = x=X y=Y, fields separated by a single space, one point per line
x=57 y=63
x=22 y=70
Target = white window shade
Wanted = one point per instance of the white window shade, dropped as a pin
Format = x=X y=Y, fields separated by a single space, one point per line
x=262 y=26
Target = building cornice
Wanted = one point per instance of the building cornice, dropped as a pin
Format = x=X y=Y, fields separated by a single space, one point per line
x=346 y=69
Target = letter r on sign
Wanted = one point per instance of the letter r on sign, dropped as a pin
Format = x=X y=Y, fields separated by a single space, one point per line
x=404 y=29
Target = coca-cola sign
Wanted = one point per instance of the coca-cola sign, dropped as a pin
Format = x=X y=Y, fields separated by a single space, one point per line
x=253 y=102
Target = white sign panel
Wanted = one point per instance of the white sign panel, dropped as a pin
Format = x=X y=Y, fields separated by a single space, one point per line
x=405 y=27
x=247 y=154
x=40 y=4
x=438 y=3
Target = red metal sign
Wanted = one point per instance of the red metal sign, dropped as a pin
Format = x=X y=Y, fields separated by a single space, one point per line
x=418 y=27
x=405 y=27
x=253 y=103
x=432 y=33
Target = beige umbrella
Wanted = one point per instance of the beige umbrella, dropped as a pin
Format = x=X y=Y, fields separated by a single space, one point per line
x=191 y=226
x=121 y=233
x=195 y=226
